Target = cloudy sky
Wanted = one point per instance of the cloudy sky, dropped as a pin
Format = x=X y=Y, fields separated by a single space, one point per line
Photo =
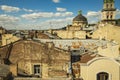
x=47 y=14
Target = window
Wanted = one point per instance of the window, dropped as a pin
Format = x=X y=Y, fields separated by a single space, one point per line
x=107 y=6
x=102 y=76
x=36 y=69
x=111 y=5
x=107 y=16
x=111 y=16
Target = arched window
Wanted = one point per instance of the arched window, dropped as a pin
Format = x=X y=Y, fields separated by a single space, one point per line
x=111 y=16
x=106 y=5
x=102 y=76
x=107 y=16
x=111 y=6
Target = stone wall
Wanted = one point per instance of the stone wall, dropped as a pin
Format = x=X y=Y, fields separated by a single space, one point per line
x=108 y=32
x=75 y=43
x=41 y=78
x=66 y=34
x=27 y=53
x=8 y=38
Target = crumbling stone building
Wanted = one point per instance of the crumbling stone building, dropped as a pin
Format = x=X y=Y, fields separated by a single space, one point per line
x=32 y=58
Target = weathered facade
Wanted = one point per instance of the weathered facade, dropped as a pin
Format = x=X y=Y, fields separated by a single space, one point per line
x=79 y=22
x=36 y=59
x=5 y=73
x=100 y=65
x=44 y=57
x=75 y=30
x=2 y=30
x=108 y=12
x=107 y=32
x=100 y=68
x=8 y=38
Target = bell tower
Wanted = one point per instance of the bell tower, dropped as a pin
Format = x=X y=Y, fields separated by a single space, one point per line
x=108 y=12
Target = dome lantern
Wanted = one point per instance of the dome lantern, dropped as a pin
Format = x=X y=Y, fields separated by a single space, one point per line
x=80 y=12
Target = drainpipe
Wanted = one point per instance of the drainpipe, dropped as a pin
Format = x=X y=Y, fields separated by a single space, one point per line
x=69 y=49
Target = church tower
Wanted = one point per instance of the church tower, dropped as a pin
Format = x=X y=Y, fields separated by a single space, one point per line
x=108 y=12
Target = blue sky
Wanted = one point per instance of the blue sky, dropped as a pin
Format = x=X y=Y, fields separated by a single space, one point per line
x=46 y=14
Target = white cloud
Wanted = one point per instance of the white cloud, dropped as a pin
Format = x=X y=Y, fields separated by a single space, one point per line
x=37 y=15
x=55 y=23
x=7 y=18
x=93 y=16
x=9 y=8
x=28 y=10
x=11 y=22
x=8 y=21
x=118 y=14
x=68 y=13
x=60 y=9
x=65 y=14
x=60 y=20
x=56 y=1
x=46 y=15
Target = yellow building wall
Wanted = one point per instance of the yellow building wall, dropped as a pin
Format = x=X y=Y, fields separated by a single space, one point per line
x=90 y=71
x=109 y=50
x=83 y=72
x=71 y=34
x=8 y=38
x=14 y=69
x=109 y=32
x=45 y=71
x=2 y=31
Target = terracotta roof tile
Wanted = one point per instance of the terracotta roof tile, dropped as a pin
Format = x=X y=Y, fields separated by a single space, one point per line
x=87 y=57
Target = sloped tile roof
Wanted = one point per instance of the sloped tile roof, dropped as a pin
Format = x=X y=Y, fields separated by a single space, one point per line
x=87 y=57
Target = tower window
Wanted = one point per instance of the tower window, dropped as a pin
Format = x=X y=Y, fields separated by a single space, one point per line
x=107 y=16
x=106 y=5
x=111 y=17
x=111 y=5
